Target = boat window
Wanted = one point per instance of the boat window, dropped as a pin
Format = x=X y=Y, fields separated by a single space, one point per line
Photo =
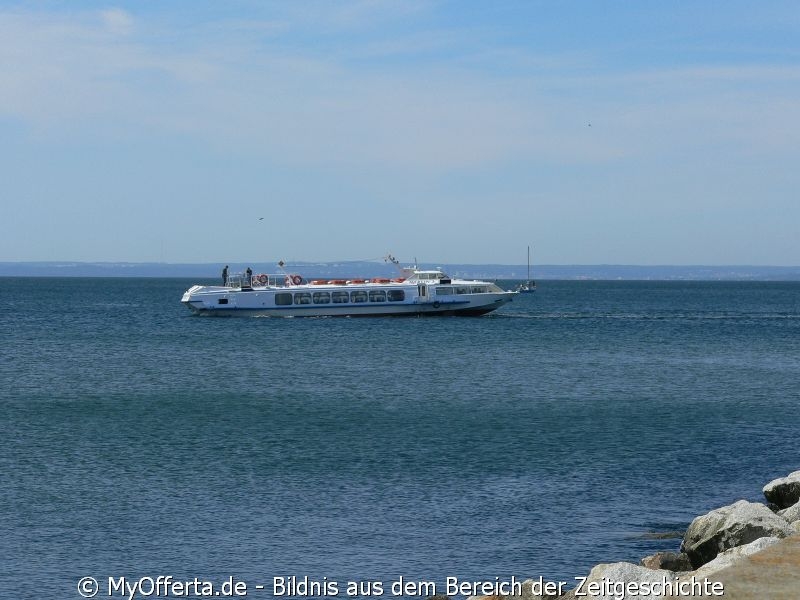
x=340 y=297
x=321 y=298
x=377 y=295
x=283 y=299
x=302 y=298
x=222 y=301
x=444 y=291
x=477 y=289
x=396 y=295
x=359 y=296
x=462 y=290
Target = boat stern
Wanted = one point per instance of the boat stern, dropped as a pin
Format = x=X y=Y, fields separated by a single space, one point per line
x=193 y=299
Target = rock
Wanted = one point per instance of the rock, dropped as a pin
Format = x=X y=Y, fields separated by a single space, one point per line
x=618 y=574
x=795 y=527
x=539 y=586
x=730 y=526
x=792 y=513
x=730 y=557
x=784 y=491
x=669 y=561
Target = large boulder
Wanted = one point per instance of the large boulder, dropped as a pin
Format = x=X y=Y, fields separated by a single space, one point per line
x=784 y=491
x=730 y=526
x=791 y=514
x=669 y=561
x=734 y=555
x=612 y=576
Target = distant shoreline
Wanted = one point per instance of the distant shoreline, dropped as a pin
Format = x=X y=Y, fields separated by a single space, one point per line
x=367 y=269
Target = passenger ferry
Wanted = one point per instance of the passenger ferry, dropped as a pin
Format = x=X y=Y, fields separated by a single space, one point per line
x=416 y=293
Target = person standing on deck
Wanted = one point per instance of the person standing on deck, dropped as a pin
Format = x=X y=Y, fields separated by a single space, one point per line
x=225 y=275
x=249 y=279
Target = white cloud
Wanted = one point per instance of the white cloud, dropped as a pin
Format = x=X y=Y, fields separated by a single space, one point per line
x=290 y=107
x=117 y=21
x=238 y=92
x=323 y=15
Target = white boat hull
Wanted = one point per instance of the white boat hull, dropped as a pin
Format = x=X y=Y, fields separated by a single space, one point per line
x=261 y=302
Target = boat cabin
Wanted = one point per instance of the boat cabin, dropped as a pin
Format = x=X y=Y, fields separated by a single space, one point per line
x=429 y=277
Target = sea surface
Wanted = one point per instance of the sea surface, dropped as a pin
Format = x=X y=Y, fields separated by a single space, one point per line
x=588 y=422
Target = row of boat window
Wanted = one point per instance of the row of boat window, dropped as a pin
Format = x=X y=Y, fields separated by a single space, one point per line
x=461 y=289
x=287 y=298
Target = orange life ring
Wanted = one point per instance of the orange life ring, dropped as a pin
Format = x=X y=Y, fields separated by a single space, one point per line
x=380 y=280
x=262 y=279
x=337 y=282
x=297 y=280
x=319 y=282
x=356 y=281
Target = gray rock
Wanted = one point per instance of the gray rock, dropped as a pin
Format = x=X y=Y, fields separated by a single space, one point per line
x=784 y=491
x=791 y=514
x=730 y=526
x=619 y=574
x=669 y=561
x=795 y=527
x=732 y=556
x=530 y=585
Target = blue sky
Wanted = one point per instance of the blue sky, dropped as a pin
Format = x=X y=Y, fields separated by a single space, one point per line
x=455 y=132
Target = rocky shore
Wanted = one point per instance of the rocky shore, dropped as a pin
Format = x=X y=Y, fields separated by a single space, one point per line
x=714 y=542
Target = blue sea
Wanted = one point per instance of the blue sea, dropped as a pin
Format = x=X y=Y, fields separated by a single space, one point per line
x=576 y=425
